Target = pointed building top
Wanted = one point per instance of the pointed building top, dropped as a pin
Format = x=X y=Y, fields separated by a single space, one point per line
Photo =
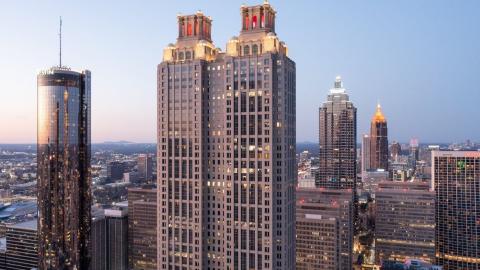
x=379 y=117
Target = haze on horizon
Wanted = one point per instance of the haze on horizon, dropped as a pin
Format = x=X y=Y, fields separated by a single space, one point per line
x=418 y=58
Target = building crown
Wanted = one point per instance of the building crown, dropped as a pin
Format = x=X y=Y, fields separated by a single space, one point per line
x=196 y=27
x=260 y=18
x=378 y=117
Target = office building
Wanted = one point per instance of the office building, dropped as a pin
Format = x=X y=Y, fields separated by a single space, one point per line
x=456 y=178
x=63 y=165
x=365 y=155
x=145 y=167
x=324 y=228
x=338 y=149
x=226 y=147
x=142 y=228
x=115 y=170
x=110 y=239
x=22 y=246
x=395 y=151
x=99 y=241
x=379 y=141
x=405 y=221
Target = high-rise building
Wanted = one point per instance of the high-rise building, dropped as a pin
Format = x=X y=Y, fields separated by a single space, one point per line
x=22 y=246
x=115 y=170
x=324 y=229
x=414 y=152
x=456 y=178
x=395 y=151
x=145 y=166
x=379 y=141
x=99 y=241
x=142 y=228
x=338 y=149
x=226 y=148
x=63 y=164
x=365 y=162
x=405 y=221
x=110 y=240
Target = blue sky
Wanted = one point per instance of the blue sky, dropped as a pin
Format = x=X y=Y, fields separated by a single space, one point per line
x=420 y=59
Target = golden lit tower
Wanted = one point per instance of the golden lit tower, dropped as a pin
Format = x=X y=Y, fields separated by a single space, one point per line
x=378 y=141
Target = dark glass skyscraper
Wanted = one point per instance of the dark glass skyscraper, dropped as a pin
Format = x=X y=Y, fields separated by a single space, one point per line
x=64 y=178
x=338 y=149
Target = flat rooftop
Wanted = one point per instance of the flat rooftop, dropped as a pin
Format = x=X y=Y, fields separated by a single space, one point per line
x=27 y=225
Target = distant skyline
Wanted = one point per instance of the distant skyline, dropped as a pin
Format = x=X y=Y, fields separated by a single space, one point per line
x=419 y=59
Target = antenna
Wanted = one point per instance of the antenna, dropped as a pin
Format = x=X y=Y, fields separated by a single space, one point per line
x=60 y=38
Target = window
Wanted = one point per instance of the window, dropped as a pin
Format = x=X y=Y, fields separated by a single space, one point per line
x=255 y=49
x=246 y=50
x=254 y=22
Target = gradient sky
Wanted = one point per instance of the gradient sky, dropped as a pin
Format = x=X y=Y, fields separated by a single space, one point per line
x=420 y=59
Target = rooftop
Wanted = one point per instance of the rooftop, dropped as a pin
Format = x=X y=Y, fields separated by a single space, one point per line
x=27 y=225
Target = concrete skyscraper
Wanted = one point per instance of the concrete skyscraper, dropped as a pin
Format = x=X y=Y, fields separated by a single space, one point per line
x=338 y=149
x=365 y=155
x=63 y=164
x=145 y=165
x=456 y=178
x=379 y=141
x=226 y=148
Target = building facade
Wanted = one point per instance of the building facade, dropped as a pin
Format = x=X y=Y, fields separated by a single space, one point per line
x=115 y=170
x=365 y=155
x=379 y=141
x=405 y=221
x=456 y=178
x=142 y=228
x=338 y=149
x=226 y=148
x=145 y=167
x=318 y=210
x=22 y=246
x=63 y=164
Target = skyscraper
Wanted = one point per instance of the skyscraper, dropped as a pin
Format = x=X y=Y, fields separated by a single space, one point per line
x=63 y=164
x=456 y=178
x=379 y=141
x=338 y=149
x=145 y=164
x=365 y=162
x=142 y=228
x=226 y=148
x=110 y=239
x=395 y=151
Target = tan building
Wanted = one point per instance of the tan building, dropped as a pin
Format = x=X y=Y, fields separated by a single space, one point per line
x=226 y=148
x=142 y=228
x=324 y=229
x=405 y=221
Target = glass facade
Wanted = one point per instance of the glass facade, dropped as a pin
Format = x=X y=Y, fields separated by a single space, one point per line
x=64 y=179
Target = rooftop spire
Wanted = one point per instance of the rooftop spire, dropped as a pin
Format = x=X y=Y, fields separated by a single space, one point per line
x=60 y=39
x=338 y=82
